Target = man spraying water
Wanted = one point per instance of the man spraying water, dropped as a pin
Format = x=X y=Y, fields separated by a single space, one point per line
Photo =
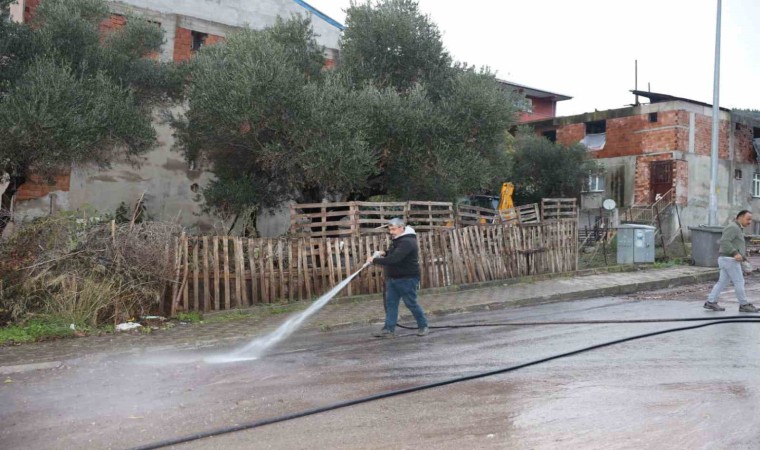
x=402 y=271
x=402 y=277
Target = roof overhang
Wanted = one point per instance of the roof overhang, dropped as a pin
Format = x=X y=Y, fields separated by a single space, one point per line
x=532 y=92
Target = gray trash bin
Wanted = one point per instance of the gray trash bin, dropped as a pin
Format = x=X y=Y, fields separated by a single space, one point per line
x=705 y=246
x=635 y=244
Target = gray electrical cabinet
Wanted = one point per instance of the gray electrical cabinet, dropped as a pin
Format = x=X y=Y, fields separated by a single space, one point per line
x=635 y=244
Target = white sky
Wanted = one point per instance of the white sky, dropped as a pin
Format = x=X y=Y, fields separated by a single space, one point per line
x=586 y=48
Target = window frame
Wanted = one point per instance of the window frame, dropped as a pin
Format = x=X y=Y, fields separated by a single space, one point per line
x=198 y=40
x=594 y=182
x=756 y=185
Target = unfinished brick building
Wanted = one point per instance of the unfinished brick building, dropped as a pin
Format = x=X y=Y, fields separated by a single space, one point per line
x=648 y=150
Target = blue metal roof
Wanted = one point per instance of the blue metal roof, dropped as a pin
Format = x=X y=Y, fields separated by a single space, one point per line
x=321 y=15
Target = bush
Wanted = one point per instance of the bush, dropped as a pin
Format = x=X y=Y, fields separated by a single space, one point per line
x=84 y=272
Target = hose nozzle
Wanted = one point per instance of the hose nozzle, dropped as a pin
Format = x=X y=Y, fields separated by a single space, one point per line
x=374 y=255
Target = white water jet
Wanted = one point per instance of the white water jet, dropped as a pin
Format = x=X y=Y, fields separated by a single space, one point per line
x=256 y=348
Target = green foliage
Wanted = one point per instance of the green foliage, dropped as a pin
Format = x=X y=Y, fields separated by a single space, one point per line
x=52 y=117
x=34 y=330
x=391 y=44
x=408 y=124
x=439 y=129
x=269 y=123
x=66 y=97
x=543 y=169
x=192 y=317
x=124 y=213
x=441 y=150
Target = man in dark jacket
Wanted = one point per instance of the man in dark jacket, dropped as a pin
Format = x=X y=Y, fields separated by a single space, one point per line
x=733 y=251
x=402 y=277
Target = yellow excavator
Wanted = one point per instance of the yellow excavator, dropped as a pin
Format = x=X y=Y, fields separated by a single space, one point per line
x=503 y=203
x=505 y=197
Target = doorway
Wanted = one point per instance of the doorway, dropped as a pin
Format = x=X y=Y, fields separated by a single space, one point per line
x=660 y=179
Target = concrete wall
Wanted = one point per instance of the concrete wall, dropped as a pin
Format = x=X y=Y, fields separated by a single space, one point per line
x=274 y=222
x=256 y=14
x=17 y=11
x=163 y=174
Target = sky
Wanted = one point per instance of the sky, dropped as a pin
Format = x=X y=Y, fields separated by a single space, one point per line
x=587 y=49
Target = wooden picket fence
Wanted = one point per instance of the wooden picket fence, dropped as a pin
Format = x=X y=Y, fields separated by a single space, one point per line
x=223 y=272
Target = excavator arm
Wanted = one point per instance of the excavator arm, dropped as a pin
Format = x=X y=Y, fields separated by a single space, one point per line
x=505 y=197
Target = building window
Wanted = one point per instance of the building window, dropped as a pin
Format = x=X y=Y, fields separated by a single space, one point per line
x=596 y=135
x=551 y=135
x=594 y=183
x=524 y=104
x=599 y=126
x=198 y=40
x=756 y=184
x=653 y=117
x=737 y=174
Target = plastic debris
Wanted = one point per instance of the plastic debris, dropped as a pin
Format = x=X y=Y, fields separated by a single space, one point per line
x=127 y=326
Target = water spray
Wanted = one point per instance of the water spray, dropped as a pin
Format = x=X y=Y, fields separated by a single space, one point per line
x=256 y=348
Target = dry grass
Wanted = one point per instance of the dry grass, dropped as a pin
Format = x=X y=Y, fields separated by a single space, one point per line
x=86 y=273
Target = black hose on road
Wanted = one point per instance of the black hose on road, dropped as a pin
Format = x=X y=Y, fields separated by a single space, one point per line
x=585 y=322
x=383 y=395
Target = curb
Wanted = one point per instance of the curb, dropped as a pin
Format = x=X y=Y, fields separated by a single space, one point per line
x=623 y=289
x=7 y=370
x=499 y=283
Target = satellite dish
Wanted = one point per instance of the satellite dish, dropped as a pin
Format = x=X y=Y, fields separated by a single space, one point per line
x=609 y=204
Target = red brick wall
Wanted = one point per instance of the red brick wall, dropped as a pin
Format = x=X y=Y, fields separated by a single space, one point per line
x=635 y=135
x=571 y=134
x=543 y=108
x=743 y=150
x=703 y=137
x=214 y=39
x=113 y=23
x=37 y=186
x=641 y=191
x=681 y=181
x=30 y=6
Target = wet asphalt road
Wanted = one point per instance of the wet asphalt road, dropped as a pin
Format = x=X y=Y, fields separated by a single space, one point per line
x=694 y=389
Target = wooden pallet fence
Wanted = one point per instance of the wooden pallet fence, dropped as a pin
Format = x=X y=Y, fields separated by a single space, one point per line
x=426 y=216
x=372 y=216
x=223 y=272
x=468 y=215
x=559 y=208
x=355 y=218
x=323 y=219
x=319 y=220
x=528 y=213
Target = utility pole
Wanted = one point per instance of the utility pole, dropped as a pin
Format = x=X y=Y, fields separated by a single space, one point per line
x=712 y=218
